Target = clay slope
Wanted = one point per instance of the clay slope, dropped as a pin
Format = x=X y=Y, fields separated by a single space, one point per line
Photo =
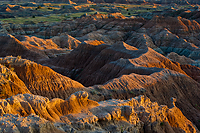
x=178 y=35
x=79 y=114
x=47 y=47
x=66 y=41
x=32 y=48
x=12 y=46
x=168 y=31
x=193 y=71
x=169 y=42
x=91 y=64
x=183 y=60
x=126 y=71
x=10 y=84
x=42 y=80
x=37 y=43
x=168 y=34
x=177 y=25
x=180 y=59
x=78 y=27
x=160 y=85
x=163 y=34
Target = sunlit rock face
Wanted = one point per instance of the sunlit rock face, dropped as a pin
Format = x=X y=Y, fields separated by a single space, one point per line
x=66 y=41
x=100 y=72
x=123 y=70
x=10 y=83
x=164 y=34
x=78 y=113
x=34 y=48
x=36 y=79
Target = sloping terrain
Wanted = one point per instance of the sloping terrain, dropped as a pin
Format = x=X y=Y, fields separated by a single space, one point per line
x=12 y=46
x=31 y=48
x=10 y=84
x=100 y=72
x=79 y=114
x=41 y=80
x=90 y=64
x=158 y=86
x=192 y=71
x=126 y=71
x=66 y=41
x=165 y=37
x=163 y=34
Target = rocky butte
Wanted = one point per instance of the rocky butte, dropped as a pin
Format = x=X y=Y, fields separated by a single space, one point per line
x=102 y=71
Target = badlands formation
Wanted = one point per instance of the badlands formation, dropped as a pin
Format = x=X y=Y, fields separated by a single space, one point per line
x=102 y=73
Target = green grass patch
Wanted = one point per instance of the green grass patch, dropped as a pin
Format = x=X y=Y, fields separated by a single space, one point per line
x=81 y=13
x=48 y=18
x=45 y=9
x=125 y=9
x=34 y=19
